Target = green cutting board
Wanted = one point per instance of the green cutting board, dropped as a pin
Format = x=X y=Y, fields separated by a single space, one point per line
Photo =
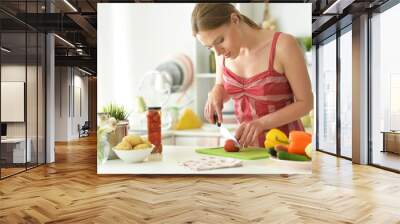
x=245 y=153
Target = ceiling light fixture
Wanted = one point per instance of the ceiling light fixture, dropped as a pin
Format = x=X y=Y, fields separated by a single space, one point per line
x=5 y=50
x=338 y=6
x=64 y=40
x=84 y=71
x=79 y=51
x=70 y=5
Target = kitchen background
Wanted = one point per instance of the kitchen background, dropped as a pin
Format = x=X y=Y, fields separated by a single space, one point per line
x=136 y=38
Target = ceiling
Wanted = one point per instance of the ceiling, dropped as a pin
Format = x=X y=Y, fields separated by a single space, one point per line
x=326 y=14
x=76 y=22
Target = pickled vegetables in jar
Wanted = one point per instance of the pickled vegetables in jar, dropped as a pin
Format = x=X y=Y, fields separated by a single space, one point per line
x=154 y=128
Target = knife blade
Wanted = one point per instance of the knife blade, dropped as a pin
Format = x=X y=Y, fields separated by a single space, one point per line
x=225 y=132
x=228 y=135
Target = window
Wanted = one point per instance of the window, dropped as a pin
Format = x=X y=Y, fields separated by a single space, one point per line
x=22 y=76
x=327 y=96
x=346 y=95
x=385 y=89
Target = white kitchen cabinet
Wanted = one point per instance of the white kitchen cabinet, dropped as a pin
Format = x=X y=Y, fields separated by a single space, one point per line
x=197 y=141
x=169 y=140
x=207 y=136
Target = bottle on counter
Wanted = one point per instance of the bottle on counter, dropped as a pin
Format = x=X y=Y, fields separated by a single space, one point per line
x=211 y=59
x=154 y=132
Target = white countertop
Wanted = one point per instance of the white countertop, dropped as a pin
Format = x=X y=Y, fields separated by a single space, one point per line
x=173 y=155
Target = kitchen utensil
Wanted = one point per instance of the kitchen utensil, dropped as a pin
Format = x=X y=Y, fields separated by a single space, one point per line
x=225 y=133
x=134 y=155
x=174 y=75
x=244 y=153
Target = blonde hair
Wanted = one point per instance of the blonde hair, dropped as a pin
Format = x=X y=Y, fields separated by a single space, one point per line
x=208 y=16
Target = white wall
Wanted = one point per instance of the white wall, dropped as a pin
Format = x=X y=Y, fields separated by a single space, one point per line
x=80 y=82
x=293 y=18
x=133 y=39
x=33 y=127
x=61 y=103
x=66 y=120
x=11 y=73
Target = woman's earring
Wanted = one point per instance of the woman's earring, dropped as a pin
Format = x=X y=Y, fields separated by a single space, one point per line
x=235 y=20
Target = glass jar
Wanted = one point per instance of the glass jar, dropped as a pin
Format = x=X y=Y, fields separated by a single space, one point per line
x=212 y=61
x=154 y=128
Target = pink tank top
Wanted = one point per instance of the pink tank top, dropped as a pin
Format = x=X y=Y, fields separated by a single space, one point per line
x=260 y=94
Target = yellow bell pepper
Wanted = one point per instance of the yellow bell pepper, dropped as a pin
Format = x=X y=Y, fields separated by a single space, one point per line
x=275 y=137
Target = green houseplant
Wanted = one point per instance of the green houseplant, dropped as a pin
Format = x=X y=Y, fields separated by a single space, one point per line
x=305 y=43
x=120 y=116
x=116 y=111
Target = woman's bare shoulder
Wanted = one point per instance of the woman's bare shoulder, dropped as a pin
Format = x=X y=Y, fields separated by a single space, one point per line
x=286 y=48
x=285 y=43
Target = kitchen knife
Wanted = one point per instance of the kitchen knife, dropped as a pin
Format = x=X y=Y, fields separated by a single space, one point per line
x=225 y=132
x=228 y=135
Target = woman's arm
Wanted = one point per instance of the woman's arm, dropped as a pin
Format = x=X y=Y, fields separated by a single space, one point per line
x=217 y=96
x=291 y=57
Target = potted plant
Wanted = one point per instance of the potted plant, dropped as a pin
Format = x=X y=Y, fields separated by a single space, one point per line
x=116 y=111
x=306 y=44
x=120 y=114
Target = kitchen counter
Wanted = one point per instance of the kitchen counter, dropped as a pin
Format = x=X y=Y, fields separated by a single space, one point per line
x=207 y=136
x=173 y=155
x=207 y=130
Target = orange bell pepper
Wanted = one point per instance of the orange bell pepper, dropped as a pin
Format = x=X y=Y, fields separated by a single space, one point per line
x=298 y=141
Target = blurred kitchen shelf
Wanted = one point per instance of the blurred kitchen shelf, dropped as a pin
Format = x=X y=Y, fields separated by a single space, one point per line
x=204 y=81
x=205 y=75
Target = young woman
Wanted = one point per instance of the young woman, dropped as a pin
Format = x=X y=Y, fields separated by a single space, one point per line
x=264 y=72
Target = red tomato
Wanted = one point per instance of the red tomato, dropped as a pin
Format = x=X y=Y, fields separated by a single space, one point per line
x=230 y=146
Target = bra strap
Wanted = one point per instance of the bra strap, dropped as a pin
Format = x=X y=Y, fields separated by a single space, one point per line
x=272 y=51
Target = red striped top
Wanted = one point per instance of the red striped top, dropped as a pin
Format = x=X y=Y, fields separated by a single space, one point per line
x=261 y=94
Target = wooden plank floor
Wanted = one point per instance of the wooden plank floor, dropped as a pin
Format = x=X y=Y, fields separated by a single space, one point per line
x=10 y=171
x=387 y=159
x=70 y=191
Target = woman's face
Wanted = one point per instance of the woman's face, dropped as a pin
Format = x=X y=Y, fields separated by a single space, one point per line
x=224 y=40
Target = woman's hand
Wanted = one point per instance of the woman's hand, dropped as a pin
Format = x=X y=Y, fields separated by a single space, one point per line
x=214 y=104
x=248 y=132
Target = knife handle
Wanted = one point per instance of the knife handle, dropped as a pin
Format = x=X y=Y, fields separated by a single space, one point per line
x=216 y=120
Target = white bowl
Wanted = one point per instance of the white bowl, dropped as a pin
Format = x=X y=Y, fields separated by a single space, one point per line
x=133 y=155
